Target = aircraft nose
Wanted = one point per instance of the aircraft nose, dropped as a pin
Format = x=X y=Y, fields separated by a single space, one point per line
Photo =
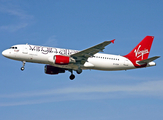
x=5 y=53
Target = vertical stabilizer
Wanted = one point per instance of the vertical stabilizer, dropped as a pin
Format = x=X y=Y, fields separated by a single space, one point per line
x=141 y=51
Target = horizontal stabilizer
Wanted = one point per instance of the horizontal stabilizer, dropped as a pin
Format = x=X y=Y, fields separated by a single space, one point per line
x=148 y=60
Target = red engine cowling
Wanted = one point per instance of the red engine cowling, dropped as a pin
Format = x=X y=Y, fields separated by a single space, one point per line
x=62 y=60
x=53 y=70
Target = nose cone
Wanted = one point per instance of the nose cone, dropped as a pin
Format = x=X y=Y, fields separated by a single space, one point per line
x=5 y=53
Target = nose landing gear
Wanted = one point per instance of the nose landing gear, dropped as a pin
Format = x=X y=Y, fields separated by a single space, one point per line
x=22 y=68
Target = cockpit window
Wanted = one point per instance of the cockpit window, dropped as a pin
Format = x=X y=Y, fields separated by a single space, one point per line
x=13 y=47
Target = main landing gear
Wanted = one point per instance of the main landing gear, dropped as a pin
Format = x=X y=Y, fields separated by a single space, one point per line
x=22 y=68
x=72 y=76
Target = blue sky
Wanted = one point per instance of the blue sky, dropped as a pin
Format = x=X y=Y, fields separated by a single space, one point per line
x=79 y=24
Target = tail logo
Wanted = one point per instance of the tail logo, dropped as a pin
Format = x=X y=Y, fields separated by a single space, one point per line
x=141 y=53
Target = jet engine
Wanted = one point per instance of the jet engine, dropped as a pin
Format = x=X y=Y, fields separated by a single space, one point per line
x=53 y=70
x=61 y=60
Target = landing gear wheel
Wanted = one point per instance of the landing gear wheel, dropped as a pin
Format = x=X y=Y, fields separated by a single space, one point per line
x=79 y=71
x=22 y=68
x=72 y=77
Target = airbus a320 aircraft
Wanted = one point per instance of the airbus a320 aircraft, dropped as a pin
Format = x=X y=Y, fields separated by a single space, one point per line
x=59 y=60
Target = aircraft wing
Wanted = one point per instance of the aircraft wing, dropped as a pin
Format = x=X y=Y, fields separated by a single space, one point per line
x=82 y=56
x=148 y=60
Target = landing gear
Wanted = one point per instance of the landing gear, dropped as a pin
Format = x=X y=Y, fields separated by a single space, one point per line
x=79 y=71
x=72 y=76
x=22 y=68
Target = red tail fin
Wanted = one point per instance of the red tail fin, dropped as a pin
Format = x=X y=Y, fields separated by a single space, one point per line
x=141 y=51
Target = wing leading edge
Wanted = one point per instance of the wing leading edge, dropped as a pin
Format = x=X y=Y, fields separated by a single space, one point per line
x=82 y=56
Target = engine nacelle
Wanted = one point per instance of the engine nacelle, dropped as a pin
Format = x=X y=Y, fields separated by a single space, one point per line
x=61 y=60
x=48 y=69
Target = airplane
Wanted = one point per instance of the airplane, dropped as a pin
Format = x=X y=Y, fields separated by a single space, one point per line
x=59 y=60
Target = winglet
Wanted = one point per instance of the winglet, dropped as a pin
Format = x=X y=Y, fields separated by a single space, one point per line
x=113 y=41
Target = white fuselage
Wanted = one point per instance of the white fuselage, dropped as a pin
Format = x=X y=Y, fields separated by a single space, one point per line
x=59 y=60
x=43 y=55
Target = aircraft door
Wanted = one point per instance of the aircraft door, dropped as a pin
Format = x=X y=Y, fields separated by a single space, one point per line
x=126 y=62
x=25 y=49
